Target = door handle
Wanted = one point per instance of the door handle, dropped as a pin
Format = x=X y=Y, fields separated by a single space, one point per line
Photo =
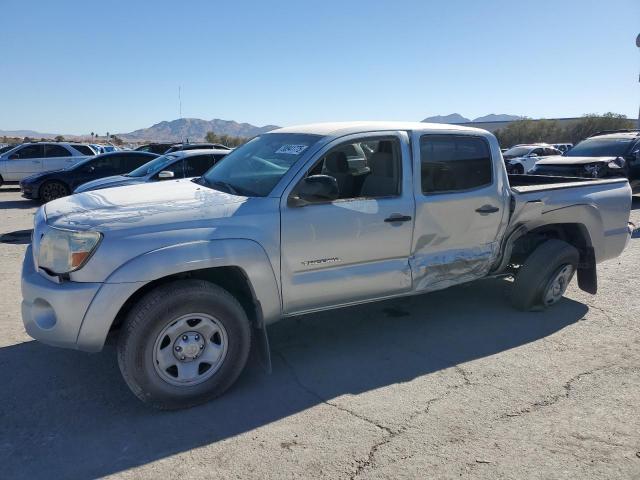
x=486 y=209
x=396 y=217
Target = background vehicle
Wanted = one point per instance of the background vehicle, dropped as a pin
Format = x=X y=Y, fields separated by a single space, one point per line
x=563 y=147
x=196 y=146
x=48 y=186
x=183 y=164
x=6 y=148
x=30 y=158
x=159 y=148
x=282 y=227
x=603 y=155
x=522 y=158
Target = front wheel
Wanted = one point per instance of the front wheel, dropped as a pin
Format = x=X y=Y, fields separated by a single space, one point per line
x=545 y=275
x=53 y=190
x=183 y=344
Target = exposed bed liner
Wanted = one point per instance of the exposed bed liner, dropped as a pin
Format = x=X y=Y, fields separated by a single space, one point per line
x=536 y=183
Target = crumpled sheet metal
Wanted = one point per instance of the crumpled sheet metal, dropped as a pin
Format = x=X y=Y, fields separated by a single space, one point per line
x=441 y=270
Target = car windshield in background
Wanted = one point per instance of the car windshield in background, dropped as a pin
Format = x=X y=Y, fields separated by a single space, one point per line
x=516 y=152
x=256 y=167
x=152 y=167
x=600 y=147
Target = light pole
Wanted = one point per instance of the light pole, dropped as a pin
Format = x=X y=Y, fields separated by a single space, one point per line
x=638 y=45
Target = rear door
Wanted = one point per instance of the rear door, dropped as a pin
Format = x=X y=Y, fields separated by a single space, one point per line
x=196 y=165
x=24 y=161
x=355 y=248
x=56 y=157
x=461 y=204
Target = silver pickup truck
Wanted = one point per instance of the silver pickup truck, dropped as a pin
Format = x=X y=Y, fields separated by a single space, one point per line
x=301 y=219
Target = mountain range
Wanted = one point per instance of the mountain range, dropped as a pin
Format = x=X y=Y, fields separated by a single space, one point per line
x=457 y=118
x=195 y=129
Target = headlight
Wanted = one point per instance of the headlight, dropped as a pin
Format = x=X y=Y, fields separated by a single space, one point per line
x=616 y=164
x=593 y=169
x=64 y=251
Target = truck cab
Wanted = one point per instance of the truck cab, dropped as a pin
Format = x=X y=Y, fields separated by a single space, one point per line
x=189 y=272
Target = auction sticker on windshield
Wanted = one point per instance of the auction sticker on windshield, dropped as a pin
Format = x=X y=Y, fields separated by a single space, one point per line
x=292 y=149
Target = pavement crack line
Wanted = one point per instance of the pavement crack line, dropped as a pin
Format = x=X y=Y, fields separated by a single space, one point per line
x=390 y=433
x=552 y=400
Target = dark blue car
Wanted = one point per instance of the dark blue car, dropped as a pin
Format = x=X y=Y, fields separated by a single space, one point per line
x=48 y=186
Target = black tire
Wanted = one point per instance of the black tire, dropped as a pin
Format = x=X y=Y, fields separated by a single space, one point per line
x=52 y=190
x=1 y=181
x=158 y=309
x=518 y=169
x=533 y=277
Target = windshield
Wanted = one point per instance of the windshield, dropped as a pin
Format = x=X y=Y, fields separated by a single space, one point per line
x=600 y=147
x=256 y=167
x=152 y=167
x=516 y=152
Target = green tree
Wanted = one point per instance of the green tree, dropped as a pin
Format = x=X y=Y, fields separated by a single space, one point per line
x=59 y=138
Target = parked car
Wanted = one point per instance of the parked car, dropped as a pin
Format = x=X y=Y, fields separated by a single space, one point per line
x=6 y=148
x=281 y=227
x=522 y=158
x=48 y=186
x=196 y=146
x=183 y=164
x=29 y=158
x=603 y=155
x=563 y=147
x=159 y=148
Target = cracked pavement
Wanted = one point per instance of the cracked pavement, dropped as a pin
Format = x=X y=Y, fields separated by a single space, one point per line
x=449 y=384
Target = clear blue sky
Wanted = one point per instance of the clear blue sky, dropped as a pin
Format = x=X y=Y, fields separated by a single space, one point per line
x=78 y=66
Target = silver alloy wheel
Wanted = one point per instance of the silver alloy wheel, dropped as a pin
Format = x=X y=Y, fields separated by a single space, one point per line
x=190 y=349
x=558 y=284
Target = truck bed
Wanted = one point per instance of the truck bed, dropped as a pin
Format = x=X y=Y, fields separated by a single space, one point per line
x=536 y=183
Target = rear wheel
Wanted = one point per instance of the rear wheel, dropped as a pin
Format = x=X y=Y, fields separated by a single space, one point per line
x=52 y=190
x=518 y=169
x=183 y=344
x=545 y=275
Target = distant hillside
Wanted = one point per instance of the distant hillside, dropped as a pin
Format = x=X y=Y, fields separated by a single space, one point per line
x=193 y=129
x=26 y=133
x=502 y=117
x=457 y=118
x=452 y=118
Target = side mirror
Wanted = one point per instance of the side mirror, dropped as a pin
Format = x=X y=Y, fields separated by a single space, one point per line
x=316 y=188
x=14 y=156
x=165 y=175
x=89 y=169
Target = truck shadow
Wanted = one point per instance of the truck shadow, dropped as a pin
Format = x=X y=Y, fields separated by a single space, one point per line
x=66 y=414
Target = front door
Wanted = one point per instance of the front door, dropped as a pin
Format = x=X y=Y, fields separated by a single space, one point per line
x=24 y=161
x=462 y=200
x=357 y=247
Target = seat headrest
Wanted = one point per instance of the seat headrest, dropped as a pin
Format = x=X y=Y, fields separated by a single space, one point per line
x=381 y=164
x=336 y=162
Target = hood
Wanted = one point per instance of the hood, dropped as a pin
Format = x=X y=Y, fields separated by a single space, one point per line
x=108 y=182
x=36 y=177
x=561 y=160
x=171 y=204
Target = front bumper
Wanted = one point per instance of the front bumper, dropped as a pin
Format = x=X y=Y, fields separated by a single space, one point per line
x=69 y=314
x=29 y=191
x=53 y=312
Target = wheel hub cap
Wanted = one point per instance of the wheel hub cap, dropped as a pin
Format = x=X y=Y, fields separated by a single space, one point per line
x=188 y=346
x=190 y=349
x=558 y=284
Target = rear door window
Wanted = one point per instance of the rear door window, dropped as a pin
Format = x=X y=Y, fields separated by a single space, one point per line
x=454 y=163
x=56 y=151
x=84 y=149
x=196 y=166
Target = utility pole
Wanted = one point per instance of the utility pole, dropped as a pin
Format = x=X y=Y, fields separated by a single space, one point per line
x=638 y=45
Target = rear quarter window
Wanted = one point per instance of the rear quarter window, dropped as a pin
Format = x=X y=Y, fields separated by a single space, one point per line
x=454 y=163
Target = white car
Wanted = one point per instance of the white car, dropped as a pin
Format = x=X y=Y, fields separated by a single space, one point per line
x=522 y=158
x=30 y=158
